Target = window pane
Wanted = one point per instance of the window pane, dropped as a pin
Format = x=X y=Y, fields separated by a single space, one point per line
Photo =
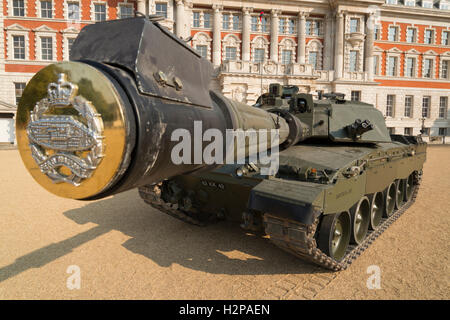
x=443 y=105
x=254 y=23
x=126 y=12
x=286 y=57
x=354 y=25
x=161 y=9
x=353 y=61
x=47 y=48
x=230 y=53
x=428 y=65
x=207 y=20
x=410 y=67
x=390 y=103
x=392 y=36
x=46 y=9
x=408 y=105
x=19 y=47
x=444 y=72
x=196 y=19
x=100 y=12
x=313 y=59
x=19 y=87
x=202 y=50
x=226 y=21
x=259 y=55
x=18 y=8
x=236 y=22
x=426 y=107
x=356 y=95
x=392 y=66
x=73 y=11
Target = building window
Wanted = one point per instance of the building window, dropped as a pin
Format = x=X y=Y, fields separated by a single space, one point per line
x=19 y=87
x=196 y=23
x=377 y=32
x=46 y=48
x=442 y=131
x=286 y=56
x=425 y=131
x=443 y=106
x=259 y=55
x=426 y=103
x=313 y=59
x=353 y=66
x=411 y=35
x=100 y=12
x=225 y=21
x=428 y=68
x=291 y=26
x=356 y=95
x=446 y=38
x=393 y=33
x=390 y=105
x=444 y=69
x=409 y=101
x=254 y=24
x=313 y=28
x=202 y=50
x=18 y=8
x=408 y=131
x=230 y=53
x=282 y=25
x=427 y=4
x=265 y=24
x=19 y=47
x=70 y=42
x=161 y=9
x=376 y=63
x=236 y=22
x=125 y=11
x=354 y=25
x=46 y=9
x=391 y=130
x=429 y=37
x=206 y=20
x=73 y=11
x=410 y=3
x=392 y=66
x=391 y=1
x=410 y=67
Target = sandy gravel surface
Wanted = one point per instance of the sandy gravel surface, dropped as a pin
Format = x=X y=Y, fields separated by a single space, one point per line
x=126 y=249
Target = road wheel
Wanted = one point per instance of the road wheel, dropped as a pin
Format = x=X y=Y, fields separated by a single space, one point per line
x=400 y=193
x=376 y=210
x=410 y=186
x=360 y=214
x=389 y=200
x=334 y=235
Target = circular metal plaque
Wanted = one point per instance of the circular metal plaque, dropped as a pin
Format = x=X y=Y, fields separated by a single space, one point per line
x=71 y=130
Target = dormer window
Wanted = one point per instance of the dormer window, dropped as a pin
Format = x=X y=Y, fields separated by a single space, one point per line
x=427 y=4
x=410 y=3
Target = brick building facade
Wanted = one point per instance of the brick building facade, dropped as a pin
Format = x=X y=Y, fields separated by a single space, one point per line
x=394 y=54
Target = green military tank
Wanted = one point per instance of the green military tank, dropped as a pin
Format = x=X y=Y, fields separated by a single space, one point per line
x=339 y=186
x=105 y=121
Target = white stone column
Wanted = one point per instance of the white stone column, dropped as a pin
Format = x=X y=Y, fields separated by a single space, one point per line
x=246 y=26
x=217 y=41
x=179 y=18
x=141 y=6
x=188 y=5
x=339 y=52
x=301 y=46
x=368 y=51
x=274 y=35
x=328 y=45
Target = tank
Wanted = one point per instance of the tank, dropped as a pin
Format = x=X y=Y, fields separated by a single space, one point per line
x=112 y=118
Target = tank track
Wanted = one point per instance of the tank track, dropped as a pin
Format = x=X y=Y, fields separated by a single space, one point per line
x=299 y=239
x=296 y=238
x=151 y=194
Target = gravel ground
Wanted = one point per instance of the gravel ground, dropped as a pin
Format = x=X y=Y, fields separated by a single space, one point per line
x=126 y=250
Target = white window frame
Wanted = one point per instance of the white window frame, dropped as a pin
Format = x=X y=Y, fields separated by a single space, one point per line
x=69 y=33
x=203 y=39
x=231 y=40
x=260 y=42
x=11 y=9
x=66 y=9
x=124 y=4
x=416 y=31
x=429 y=106
x=397 y=33
x=44 y=31
x=446 y=107
x=442 y=59
x=442 y=37
x=288 y=44
x=411 y=115
x=93 y=3
x=415 y=55
x=397 y=67
x=40 y=9
x=393 y=106
x=17 y=30
x=433 y=39
x=433 y=67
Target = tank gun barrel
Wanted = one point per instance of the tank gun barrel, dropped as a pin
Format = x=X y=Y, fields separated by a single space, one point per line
x=109 y=119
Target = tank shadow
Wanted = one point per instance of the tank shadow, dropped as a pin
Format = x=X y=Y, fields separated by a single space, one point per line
x=222 y=248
